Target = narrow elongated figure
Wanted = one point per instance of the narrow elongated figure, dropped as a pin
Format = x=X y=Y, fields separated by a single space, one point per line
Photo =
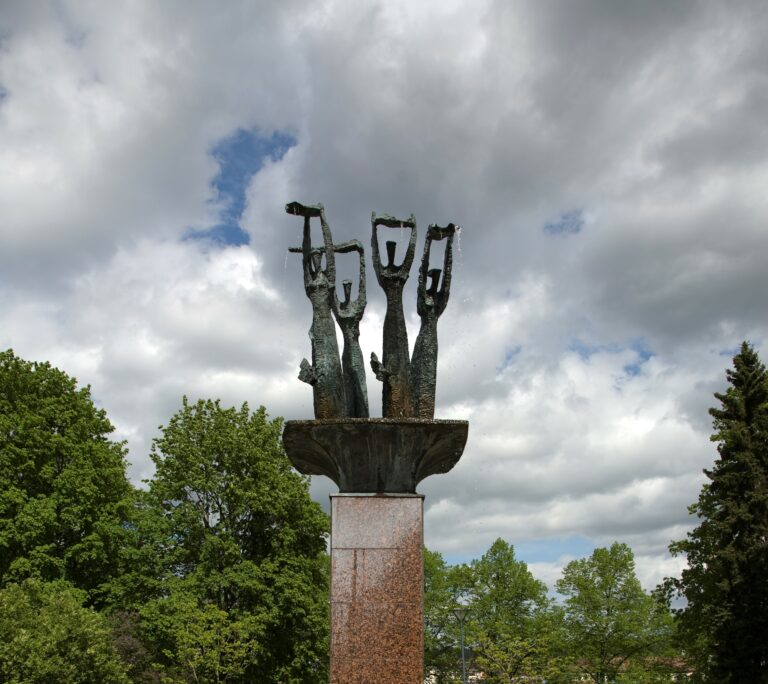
x=394 y=368
x=348 y=314
x=324 y=373
x=432 y=298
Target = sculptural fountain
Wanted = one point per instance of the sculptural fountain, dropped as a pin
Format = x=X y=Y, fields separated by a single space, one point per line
x=377 y=516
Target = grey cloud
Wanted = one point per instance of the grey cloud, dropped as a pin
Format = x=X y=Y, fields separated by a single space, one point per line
x=499 y=116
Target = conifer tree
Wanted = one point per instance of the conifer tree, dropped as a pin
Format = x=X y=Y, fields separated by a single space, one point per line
x=726 y=582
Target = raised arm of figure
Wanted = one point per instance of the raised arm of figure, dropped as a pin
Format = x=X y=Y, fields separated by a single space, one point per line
x=438 y=296
x=349 y=308
x=391 y=270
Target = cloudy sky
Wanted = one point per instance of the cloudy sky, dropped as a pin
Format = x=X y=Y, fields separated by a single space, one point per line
x=607 y=163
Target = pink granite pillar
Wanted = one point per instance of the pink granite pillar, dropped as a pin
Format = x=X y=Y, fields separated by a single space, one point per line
x=377 y=598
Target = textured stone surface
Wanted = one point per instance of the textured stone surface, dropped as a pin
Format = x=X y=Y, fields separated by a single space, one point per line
x=376 y=454
x=377 y=575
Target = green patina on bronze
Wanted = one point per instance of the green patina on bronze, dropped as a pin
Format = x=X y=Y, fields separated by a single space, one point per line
x=394 y=370
x=348 y=314
x=409 y=383
x=430 y=304
x=324 y=374
x=361 y=454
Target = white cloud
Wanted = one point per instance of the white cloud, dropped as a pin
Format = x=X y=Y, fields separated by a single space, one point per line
x=499 y=116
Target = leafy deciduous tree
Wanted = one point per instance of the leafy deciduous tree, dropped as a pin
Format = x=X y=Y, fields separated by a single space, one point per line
x=246 y=546
x=513 y=627
x=46 y=635
x=445 y=586
x=513 y=630
x=63 y=489
x=612 y=625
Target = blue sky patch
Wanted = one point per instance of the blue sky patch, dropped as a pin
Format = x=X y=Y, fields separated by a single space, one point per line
x=639 y=346
x=239 y=156
x=585 y=350
x=509 y=358
x=569 y=223
x=644 y=353
x=551 y=550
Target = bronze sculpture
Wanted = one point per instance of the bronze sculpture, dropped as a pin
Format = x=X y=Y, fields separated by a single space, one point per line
x=377 y=577
x=348 y=314
x=339 y=388
x=324 y=374
x=394 y=368
x=430 y=304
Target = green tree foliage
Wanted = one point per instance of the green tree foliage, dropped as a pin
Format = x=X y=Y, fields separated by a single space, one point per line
x=46 y=635
x=146 y=558
x=246 y=585
x=135 y=653
x=512 y=626
x=63 y=489
x=614 y=630
x=725 y=584
x=445 y=586
x=204 y=642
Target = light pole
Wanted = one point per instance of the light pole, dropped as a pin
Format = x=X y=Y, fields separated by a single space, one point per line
x=461 y=615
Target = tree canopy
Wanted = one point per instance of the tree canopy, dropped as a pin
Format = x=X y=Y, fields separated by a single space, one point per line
x=63 y=488
x=510 y=625
x=725 y=586
x=46 y=635
x=246 y=584
x=606 y=628
x=217 y=571
x=445 y=588
x=612 y=626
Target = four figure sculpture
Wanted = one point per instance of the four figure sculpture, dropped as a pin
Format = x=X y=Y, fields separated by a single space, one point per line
x=339 y=388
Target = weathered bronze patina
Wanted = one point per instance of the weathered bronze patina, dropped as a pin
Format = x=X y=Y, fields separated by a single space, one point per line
x=394 y=453
x=377 y=455
x=394 y=370
x=430 y=304
x=348 y=314
x=324 y=374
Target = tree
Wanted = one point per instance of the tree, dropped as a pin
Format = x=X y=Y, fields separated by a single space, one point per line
x=725 y=584
x=46 y=635
x=612 y=625
x=63 y=488
x=512 y=626
x=445 y=587
x=137 y=655
x=203 y=642
x=513 y=631
x=246 y=551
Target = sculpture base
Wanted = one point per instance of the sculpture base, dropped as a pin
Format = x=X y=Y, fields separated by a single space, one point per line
x=377 y=580
x=375 y=454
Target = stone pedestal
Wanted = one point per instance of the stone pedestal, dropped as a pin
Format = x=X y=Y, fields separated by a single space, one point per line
x=377 y=576
x=377 y=582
